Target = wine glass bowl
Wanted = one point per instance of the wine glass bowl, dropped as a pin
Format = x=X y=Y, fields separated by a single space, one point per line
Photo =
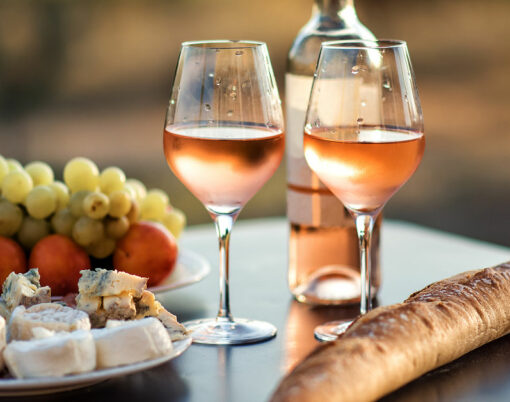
x=363 y=135
x=224 y=139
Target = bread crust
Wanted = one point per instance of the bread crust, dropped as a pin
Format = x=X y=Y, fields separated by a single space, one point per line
x=392 y=345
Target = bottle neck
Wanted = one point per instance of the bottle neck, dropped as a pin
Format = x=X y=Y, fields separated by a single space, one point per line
x=335 y=9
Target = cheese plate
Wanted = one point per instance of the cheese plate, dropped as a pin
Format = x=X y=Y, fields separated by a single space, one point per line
x=38 y=386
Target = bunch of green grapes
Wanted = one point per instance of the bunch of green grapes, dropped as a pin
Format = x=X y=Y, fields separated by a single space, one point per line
x=155 y=206
x=30 y=195
x=95 y=208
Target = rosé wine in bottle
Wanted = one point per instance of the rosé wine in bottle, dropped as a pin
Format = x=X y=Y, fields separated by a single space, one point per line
x=323 y=245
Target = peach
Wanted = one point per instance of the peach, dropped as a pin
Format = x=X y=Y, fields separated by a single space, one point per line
x=148 y=249
x=12 y=258
x=60 y=261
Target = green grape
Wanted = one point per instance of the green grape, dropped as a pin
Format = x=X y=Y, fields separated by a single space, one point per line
x=139 y=188
x=76 y=203
x=16 y=186
x=153 y=206
x=4 y=168
x=62 y=193
x=11 y=217
x=62 y=222
x=116 y=228
x=87 y=230
x=160 y=193
x=41 y=173
x=14 y=165
x=134 y=212
x=120 y=203
x=32 y=230
x=96 y=205
x=101 y=248
x=111 y=179
x=131 y=191
x=174 y=221
x=41 y=202
x=81 y=174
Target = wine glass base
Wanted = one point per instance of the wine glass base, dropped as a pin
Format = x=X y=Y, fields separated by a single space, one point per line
x=331 y=330
x=240 y=331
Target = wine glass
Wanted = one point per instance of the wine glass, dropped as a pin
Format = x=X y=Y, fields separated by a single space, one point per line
x=363 y=136
x=224 y=139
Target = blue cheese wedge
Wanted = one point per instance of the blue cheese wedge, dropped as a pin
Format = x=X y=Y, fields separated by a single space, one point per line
x=175 y=329
x=51 y=316
x=51 y=356
x=144 y=339
x=102 y=282
x=121 y=307
x=24 y=290
x=147 y=305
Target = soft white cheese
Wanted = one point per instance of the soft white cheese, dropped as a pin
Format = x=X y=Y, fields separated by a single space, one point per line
x=53 y=356
x=3 y=341
x=127 y=342
x=51 y=316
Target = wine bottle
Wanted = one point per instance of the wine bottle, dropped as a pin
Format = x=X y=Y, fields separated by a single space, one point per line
x=323 y=245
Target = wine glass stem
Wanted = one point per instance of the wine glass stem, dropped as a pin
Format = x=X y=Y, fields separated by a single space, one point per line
x=223 y=224
x=364 y=226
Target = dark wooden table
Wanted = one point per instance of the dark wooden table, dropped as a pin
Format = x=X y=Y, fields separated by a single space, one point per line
x=412 y=257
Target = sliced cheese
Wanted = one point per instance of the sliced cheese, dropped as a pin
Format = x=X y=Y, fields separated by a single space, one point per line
x=121 y=307
x=127 y=342
x=5 y=311
x=53 y=356
x=102 y=282
x=51 y=316
x=88 y=304
x=147 y=305
x=176 y=330
x=24 y=289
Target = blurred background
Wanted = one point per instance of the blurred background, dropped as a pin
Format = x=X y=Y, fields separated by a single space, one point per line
x=93 y=78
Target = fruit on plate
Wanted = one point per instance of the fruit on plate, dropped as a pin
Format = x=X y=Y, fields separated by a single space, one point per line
x=148 y=249
x=12 y=258
x=93 y=208
x=60 y=261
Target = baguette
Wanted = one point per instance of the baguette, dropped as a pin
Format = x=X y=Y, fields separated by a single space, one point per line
x=392 y=345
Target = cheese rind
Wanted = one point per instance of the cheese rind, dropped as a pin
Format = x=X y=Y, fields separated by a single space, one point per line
x=57 y=355
x=144 y=339
x=24 y=289
x=102 y=282
x=51 y=316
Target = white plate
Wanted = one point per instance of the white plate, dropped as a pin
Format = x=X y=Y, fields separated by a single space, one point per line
x=48 y=385
x=190 y=268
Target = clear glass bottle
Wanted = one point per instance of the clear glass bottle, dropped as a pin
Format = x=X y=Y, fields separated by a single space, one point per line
x=323 y=245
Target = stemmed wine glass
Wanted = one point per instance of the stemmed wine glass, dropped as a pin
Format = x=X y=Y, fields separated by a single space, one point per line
x=363 y=136
x=224 y=139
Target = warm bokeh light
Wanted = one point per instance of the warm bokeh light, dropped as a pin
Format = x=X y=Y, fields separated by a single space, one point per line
x=93 y=78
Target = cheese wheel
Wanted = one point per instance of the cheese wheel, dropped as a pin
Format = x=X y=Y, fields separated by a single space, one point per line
x=51 y=316
x=127 y=342
x=52 y=356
